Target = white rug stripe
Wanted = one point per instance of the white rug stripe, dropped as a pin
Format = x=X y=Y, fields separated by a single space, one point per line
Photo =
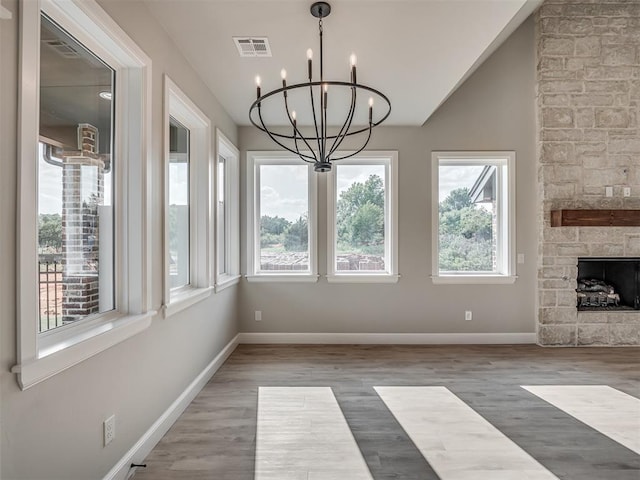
x=458 y=443
x=607 y=410
x=302 y=435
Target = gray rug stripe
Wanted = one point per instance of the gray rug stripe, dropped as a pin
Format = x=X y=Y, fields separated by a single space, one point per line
x=567 y=447
x=387 y=449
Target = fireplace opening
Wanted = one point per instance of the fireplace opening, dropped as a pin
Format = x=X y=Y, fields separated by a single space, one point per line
x=608 y=284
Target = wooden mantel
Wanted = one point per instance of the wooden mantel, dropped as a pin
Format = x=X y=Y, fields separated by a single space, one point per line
x=595 y=218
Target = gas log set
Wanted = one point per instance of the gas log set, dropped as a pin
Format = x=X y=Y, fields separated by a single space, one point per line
x=596 y=293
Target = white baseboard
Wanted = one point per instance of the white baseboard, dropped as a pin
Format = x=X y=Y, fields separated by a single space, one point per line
x=151 y=437
x=389 y=338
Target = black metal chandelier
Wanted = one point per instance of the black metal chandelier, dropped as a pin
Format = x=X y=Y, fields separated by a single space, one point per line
x=320 y=146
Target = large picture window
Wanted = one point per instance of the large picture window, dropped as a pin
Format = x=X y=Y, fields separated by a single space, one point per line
x=473 y=208
x=227 y=214
x=188 y=238
x=222 y=206
x=82 y=229
x=362 y=222
x=75 y=165
x=282 y=217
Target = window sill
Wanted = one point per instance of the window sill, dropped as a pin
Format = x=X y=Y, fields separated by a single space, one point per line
x=226 y=282
x=362 y=278
x=185 y=298
x=76 y=348
x=285 y=278
x=473 y=279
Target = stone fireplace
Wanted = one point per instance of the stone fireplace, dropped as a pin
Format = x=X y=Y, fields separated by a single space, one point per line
x=588 y=97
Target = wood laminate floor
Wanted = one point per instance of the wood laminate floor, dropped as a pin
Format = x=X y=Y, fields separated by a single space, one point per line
x=410 y=412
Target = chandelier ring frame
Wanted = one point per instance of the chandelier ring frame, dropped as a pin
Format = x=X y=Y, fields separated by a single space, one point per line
x=319 y=83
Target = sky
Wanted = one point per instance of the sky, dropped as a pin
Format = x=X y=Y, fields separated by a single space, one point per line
x=284 y=192
x=50 y=187
x=179 y=183
x=349 y=174
x=453 y=177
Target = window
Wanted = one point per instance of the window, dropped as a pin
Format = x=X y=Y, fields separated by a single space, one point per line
x=227 y=214
x=473 y=217
x=187 y=228
x=281 y=218
x=178 y=215
x=75 y=165
x=362 y=208
x=221 y=211
x=83 y=276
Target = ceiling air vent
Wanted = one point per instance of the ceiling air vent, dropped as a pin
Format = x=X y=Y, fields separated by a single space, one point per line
x=61 y=48
x=253 y=46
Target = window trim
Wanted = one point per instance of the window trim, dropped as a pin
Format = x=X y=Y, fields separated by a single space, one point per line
x=254 y=159
x=390 y=160
x=506 y=212
x=42 y=356
x=231 y=154
x=179 y=106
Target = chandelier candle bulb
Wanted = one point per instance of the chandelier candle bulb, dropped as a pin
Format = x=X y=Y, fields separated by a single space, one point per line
x=309 y=57
x=283 y=74
x=370 y=109
x=353 y=60
x=326 y=89
x=258 y=86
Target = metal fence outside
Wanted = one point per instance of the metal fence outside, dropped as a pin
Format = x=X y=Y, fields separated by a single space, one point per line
x=50 y=295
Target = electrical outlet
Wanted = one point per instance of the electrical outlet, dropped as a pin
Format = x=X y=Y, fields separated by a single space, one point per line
x=608 y=191
x=468 y=315
x=626 y=191
x=258 y=315
x=521 y=258
x=109 y=428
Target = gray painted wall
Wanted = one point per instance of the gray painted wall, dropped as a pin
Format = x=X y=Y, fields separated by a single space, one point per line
x=493 y=110
x=54 y=429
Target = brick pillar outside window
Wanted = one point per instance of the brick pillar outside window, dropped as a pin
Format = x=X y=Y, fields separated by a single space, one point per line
x=82 y=193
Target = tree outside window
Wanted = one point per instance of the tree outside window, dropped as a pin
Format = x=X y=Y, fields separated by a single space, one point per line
x=466 y=234
x=362 y=226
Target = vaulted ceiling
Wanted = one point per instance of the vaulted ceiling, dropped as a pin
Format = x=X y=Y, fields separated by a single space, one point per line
x=417 y=52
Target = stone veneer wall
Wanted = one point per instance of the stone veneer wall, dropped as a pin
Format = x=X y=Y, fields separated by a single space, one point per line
x=588 y=78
